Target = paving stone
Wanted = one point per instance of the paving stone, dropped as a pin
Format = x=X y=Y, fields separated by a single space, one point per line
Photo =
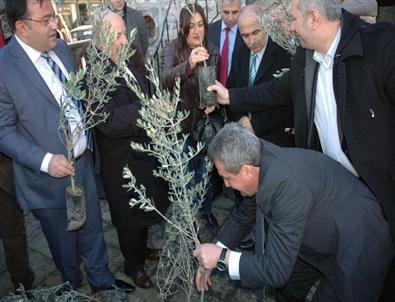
x=43 y=268
x=48 y=276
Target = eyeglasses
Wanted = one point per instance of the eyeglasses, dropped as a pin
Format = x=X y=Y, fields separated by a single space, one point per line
x=46 y=21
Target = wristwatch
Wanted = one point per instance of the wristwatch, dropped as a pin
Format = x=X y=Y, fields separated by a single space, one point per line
x=221 y=264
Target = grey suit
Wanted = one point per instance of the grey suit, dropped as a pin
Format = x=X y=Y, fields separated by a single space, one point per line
x=134 y=18
x=29 y=119
x=310 y=209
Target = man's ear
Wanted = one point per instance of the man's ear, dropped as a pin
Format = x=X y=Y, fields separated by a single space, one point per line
x=314 y=18
x=21 y=28
x=246 y=170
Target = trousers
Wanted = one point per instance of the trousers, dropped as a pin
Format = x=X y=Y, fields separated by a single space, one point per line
x=12 y=229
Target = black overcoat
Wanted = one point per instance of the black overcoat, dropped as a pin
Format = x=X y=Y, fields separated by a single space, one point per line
x=113 y=140
x=364 y=87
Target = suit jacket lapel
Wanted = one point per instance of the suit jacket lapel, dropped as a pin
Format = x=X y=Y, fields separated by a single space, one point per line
x=64 y=57
x=311 y=72
x=28 y=69
x=267 y=60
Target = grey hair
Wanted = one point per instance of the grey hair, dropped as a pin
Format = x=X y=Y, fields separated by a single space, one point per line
x=235 y=146
x=221 y=2
x=252 y=8
x=331 y=9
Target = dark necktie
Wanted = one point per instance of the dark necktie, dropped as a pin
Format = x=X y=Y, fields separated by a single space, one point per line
x=223 y=70
x=76 y=103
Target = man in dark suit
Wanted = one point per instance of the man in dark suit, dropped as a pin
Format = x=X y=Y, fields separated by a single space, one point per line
x=12 y=229
x=113 y=139
x=342 y=86
x=133 y=18
x=315 y=222
x=12 y=220
x=216 y=33
x=29 y=120
x=256 y=61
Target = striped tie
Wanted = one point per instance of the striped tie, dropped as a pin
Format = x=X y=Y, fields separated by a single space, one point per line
x=252 y=69
x=75 y=103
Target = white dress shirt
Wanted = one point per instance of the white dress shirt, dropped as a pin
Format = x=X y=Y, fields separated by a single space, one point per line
x=56 y=87
x=325 y=114
x=232 y=41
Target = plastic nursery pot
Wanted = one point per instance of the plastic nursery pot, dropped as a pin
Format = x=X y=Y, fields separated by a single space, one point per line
x=207 y=76
x=76 y=207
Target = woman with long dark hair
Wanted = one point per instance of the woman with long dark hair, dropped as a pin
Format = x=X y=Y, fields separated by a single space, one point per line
x=182 y=57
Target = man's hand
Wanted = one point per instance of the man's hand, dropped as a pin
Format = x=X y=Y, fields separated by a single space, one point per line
x=207 y=254
x=209 y=109
x=222 y=93
x=246 y=123
x=199 y=277
x=59 y=166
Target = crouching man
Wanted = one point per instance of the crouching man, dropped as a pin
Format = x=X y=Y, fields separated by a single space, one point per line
x=314 y=221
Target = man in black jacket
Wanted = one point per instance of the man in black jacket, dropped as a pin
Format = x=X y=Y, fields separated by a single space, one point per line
x=314 y=221
x=255 y=62
x=342 y=86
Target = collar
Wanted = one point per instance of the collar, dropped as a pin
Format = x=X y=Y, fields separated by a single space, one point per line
x=118 y=12
x=350 y=42
x=33 y=54
x=262 y=51
x=233 y=29
x=327 y=59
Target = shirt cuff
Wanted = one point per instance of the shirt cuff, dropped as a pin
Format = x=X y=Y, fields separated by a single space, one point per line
x=45 y=162
x=233 y=265
x=220 y=244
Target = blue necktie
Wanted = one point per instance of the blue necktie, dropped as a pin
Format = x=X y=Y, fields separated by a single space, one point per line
x=63 y=80
x=252 y=69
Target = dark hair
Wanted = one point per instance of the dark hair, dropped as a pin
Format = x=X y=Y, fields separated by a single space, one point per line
x=17 y=10
x=185 y=20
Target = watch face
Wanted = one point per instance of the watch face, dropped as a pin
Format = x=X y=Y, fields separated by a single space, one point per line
x=221 y=265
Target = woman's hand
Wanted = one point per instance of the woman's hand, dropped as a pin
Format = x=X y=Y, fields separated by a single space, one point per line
x=198 y=54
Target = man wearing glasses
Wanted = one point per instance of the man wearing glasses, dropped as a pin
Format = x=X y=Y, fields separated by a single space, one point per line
x=30 y=92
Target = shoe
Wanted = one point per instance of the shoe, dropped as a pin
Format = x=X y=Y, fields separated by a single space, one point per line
x=63 y=289
x=211 y=220
x=248 y=245
x=141 y=279
x=26 y=282
x=118 y=284
x=152 y=254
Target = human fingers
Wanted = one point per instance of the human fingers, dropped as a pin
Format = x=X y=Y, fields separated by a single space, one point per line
x=59 y=166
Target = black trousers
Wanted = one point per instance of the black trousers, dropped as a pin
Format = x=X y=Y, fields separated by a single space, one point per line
x=12 y=229
x=132 y=236
x=299 y=285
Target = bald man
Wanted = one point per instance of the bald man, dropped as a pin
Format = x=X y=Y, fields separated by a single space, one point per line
x=113 y=139
x=253 y=63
